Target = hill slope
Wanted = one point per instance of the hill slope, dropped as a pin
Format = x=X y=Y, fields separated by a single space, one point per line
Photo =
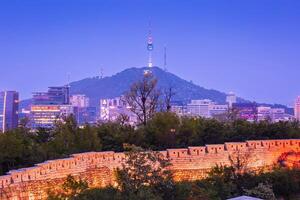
x=114 y=86
x=117 y=84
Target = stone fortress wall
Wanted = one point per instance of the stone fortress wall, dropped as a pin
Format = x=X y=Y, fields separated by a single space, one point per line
x=97 y=168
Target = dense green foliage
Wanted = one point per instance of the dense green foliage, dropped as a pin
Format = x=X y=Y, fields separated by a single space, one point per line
x=144 y=175
x=139 y=180
x=70 y=188
x=22 y=148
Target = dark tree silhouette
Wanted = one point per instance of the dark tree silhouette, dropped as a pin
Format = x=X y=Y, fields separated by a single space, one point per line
x=143 y=98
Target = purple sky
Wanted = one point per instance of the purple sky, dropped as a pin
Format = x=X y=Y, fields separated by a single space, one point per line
x=251 y=47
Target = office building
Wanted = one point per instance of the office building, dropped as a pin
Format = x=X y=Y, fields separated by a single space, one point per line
x=179 y=108
x=278 y=114
x=80 y=101
x=297 y=109
x=112 y=109
x=230 y=99
x=217 y=109
x=264 y=113
x=205 y=108
x=45 y=116
x=50 y=107
x=54 y=96
x=85 y=115
x=199 y=108
x=246 y=111
x=9 y=105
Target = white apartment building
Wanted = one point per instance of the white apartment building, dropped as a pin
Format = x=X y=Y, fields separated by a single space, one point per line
x=231 y=99
x=79 y=100
x=205 y=108
x=273 y=114
x=297 y=108
x=111 y=109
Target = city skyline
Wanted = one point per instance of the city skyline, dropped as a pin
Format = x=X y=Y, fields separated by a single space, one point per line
x=249 y=48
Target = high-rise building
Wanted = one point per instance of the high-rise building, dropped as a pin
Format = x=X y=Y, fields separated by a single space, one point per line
x=45 y=116
x=246 y=111
x=297 y=108
x=230 y=99
x=205 y=108
x=54 y=96
x=217 y=109
x=51 y=106
x=80 y=101
x=179 y=108
x=86 y=115
x=112 y=109
x=272 y=114
x=199 y=107
x=278 y=114
x=264 y=113
x=9 y=105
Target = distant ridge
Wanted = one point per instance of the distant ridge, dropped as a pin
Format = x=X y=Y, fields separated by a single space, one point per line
x=116 y=85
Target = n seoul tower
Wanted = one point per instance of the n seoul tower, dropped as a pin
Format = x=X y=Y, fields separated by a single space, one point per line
x=150 y=47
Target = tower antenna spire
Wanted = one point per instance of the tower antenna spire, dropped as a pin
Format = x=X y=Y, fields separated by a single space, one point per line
x=101 y=73
x=68 y=79
x=150 y=46
x=165 y=58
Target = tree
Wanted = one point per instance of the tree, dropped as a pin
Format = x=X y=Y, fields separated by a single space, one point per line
x=240 y=161
x=161 y=130
x=229 y=116
x=113 y=135
x=71 y=188
x=168 y=95
x=145 y=173
x=143 y=98
x=263 y=191
x=222 y=181
x=12 y=147
x=108 y=193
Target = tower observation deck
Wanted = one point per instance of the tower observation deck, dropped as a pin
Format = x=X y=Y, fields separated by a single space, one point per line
x=150 y=48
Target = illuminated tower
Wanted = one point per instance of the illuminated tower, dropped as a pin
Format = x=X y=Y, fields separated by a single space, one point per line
x=150 y=48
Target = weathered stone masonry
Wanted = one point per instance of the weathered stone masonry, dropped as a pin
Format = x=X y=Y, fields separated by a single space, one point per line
x=97 y=168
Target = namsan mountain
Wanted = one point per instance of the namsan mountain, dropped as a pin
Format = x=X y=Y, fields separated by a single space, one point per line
x=114 y=86
x=97 y=88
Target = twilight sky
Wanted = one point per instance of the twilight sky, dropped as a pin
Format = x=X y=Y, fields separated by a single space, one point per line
x=251 y=47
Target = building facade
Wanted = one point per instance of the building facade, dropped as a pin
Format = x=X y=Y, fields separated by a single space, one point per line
x=205 y=108
x=45 y=116
x=85 y=115
x=50 y=107
x=217 y=109
x=231 y=99
x=246 y=111
x=113 y=109
x=80 y=100
x=199 y=107
x=179 y=108
x=54 y=96
x=264 y=113
x=297 y=109
x=9 y=105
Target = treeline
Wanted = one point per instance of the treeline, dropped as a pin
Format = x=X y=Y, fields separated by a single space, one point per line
x=220 y=185
x=140 y=180
x=23 y=148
